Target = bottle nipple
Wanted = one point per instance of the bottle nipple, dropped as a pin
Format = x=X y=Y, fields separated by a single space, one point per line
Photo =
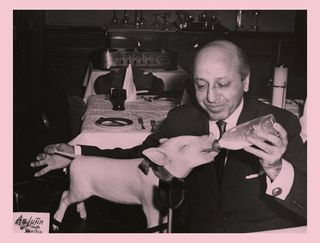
x=216 y=146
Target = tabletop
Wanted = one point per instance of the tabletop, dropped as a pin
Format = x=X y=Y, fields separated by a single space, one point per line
x=121 y=136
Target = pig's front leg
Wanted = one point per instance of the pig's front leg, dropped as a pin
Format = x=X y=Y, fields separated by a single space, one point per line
x=64 y=204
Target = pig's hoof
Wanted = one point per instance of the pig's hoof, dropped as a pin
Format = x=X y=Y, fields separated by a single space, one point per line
x=55 y=227
x=83 y=214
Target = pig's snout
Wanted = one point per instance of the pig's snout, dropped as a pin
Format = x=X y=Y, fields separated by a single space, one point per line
x=206 y=142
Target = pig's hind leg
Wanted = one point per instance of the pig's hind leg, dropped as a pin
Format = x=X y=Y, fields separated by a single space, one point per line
x=81 y=209
x=152 y=215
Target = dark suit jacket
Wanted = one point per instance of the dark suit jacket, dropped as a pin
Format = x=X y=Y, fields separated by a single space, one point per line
x=240 y=205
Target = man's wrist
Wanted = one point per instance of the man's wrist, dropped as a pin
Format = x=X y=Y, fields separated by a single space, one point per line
x=77 y=149
x=281 y=185
x=273 y=172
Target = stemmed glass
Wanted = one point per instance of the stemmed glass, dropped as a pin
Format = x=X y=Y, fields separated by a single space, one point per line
x=203 y=19
x=165 y=17
x=142 y=21
x=114 y=19
x=256 y=14
x=189 y=19
x=213 y=19
x=125 y=19
x=136 y=19
x=156 y=23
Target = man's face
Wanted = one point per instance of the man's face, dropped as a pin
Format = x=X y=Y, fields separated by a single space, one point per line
x=218 y=85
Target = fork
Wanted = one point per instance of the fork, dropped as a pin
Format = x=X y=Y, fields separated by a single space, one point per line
x=153 y=125
x=140 y=121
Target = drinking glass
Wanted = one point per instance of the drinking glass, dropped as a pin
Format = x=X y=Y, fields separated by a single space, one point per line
x=118 y=97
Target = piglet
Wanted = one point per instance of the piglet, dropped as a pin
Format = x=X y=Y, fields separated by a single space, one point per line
x=122 y=181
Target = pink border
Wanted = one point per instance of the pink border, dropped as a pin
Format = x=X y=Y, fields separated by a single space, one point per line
x=313 y=123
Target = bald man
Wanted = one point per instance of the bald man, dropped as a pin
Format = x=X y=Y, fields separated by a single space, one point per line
x=243 y=199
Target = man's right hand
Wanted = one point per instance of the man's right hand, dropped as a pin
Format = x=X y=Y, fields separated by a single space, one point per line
x=51 y=160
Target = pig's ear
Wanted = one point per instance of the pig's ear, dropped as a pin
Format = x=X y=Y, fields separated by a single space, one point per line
x=163 y=140
x=156 y=155
x=211 y=135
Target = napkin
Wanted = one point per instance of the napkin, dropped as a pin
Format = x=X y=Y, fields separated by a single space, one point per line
x=129 y=85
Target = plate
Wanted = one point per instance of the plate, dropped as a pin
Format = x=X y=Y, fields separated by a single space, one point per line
x=113 y=122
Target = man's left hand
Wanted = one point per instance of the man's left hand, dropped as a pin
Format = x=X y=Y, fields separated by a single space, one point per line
x=270 y=149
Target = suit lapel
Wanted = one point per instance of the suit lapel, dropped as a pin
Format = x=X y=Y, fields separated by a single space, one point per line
x=248 y=111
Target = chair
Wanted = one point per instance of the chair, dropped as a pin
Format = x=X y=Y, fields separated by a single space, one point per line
x=303 y=122
x=142 y=81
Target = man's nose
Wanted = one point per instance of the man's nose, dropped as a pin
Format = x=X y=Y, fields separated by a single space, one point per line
x=212 y=95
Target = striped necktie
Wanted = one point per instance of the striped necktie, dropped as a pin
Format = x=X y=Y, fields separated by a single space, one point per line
x=221 y=157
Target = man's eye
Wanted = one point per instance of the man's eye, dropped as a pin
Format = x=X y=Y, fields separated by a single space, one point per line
x=223 y=85
x=201 y=86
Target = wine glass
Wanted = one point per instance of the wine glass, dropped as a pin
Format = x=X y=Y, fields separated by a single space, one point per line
x=203 y=19
x=213 y=20
x=156 y=23
x=136 y=19
x=165 y=17
x=189 y=19
x=142 y=20
x=256 y=14
x=125 y=19
x=114 y=19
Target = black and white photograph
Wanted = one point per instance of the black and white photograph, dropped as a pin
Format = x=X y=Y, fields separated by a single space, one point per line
x=159 y=120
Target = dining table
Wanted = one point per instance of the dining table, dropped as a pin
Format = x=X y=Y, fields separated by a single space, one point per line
x=144 y=114
x=104 y=127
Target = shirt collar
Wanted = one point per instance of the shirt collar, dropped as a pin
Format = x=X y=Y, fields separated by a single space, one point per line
x=233 y=118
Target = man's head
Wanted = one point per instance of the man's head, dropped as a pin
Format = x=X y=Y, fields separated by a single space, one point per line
x=221 y=76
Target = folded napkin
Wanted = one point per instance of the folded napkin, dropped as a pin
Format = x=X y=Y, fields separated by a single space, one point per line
x=129 y=85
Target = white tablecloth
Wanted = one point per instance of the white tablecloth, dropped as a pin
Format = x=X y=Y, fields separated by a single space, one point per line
x=173 y=79
x=127 y=136
x=294 y=106
x=124 y=137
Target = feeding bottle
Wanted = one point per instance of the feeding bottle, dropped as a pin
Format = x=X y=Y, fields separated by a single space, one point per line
x=236 y=138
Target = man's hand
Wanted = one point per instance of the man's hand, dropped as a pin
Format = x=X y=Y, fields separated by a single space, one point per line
x=270 y=149
x=52 y=161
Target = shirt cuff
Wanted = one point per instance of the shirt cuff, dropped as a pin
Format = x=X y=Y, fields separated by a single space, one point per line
x=77 y=150
x=281 y=186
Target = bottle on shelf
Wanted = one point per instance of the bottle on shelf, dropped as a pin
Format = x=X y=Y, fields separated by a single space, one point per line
x=240 y=21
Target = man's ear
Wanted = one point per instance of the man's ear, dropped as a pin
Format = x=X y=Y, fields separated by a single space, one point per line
x=246 y=83
x=156 y=155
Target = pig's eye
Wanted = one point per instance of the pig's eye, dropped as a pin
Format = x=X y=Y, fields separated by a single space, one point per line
x=183 y=147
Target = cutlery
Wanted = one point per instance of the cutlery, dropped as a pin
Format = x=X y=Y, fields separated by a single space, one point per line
x=153 y=125
x=140 y=121
x=149 y=99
